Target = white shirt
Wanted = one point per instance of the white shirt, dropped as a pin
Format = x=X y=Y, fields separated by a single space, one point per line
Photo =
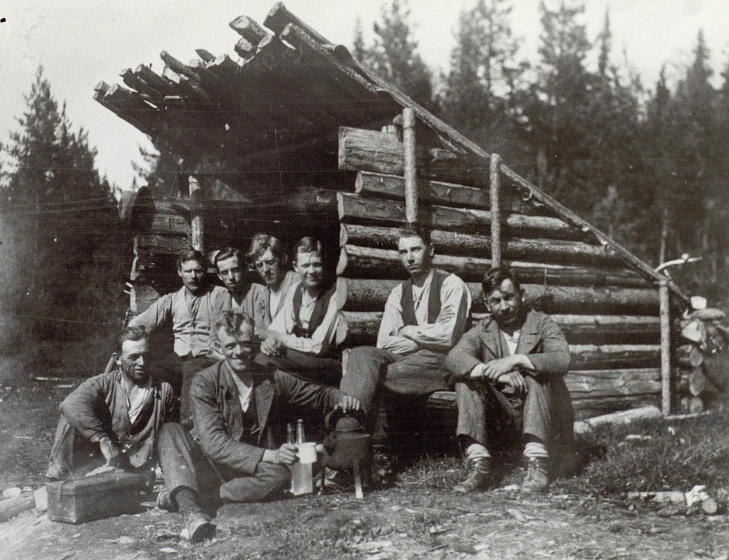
x=443 y=333
x=245 y=392
x=511 y=341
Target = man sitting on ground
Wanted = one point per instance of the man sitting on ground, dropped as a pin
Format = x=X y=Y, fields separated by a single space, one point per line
x=232 y=451
x=302 y=338
x=510 y=370
x=424 y=318
x=113 y=419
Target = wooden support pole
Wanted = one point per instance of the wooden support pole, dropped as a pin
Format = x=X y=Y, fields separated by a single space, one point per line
x=665 y=314
x=411 y=175
x=198 y=229
x=494 y=196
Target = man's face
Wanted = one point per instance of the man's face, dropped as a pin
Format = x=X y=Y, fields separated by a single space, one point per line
x=310 y=268
x=505 y=304
x=230 y=272
x=415 y=255
x=133 y=360
x=269 y=267
x=238 y=347
x=192 y=274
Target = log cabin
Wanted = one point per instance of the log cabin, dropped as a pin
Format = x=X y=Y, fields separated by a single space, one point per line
x=292 y=136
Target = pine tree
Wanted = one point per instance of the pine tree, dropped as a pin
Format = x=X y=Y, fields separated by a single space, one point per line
x=394 y=54
x=59 y=212
x=478 y=98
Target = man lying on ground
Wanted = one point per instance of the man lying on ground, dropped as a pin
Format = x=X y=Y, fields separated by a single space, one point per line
x=234 y=453
x=302 y=339
x=510 y=387
x=113 y=419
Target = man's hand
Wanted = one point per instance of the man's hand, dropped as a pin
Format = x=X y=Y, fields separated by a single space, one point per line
x=494 y=369
x=409 y=331
x=284 y=455
x=514 y=379
x=110 y=451
x=272 y=346
x=348 y=403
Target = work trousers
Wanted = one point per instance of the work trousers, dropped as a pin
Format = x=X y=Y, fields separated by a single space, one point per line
x=418 y=374
x=485 y=413
x=186 y=466
x=314 y=369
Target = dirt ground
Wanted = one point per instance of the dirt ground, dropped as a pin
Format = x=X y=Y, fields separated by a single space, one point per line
x=416 y=516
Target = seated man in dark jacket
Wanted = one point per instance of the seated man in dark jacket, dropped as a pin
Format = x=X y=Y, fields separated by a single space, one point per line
x=509 y=371
x=236 y=407
x=113 y=418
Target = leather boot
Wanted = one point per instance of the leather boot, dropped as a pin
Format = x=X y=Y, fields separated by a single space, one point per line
x=537 y=477
x=479 y=476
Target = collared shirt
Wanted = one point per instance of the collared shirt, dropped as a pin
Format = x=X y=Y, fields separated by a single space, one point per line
x=262 y=305
x=443 y=333
x=137 y=399
x=512 y=340
x=331 y=330
x=191 y=316
x=245 y=392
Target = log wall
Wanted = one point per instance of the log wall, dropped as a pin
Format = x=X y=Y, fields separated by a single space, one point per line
x=608 y=310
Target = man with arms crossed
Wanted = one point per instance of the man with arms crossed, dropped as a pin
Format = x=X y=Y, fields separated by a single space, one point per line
x=510 y=370
x=234 y=450
x=424 y=318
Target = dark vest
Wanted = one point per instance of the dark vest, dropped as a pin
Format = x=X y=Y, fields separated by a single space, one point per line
x=317 y=315
x=250 y=422
x=406 y=299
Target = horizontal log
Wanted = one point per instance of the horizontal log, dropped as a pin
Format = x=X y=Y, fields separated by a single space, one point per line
x=377 y=152
x=584 y=408
x=354 y=208
x=448 y=194
x=578 y=329
x=474 y=245
x=158 y=243
x=619 y=419
x=369 y=262
x=613 y=382
x=614 y=356
x=371 y=295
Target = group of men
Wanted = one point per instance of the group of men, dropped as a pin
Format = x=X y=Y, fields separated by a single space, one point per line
x=245 y=354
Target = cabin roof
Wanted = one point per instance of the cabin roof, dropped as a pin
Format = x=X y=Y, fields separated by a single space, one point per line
x=288 y=93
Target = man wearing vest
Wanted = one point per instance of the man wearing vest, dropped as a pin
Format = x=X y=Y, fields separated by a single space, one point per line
x=510 y=388
x=264 y=302
x=424 y=318
x=191 y=310
x=302 y=339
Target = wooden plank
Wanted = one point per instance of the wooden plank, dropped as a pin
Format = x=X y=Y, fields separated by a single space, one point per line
x=610 y=383
x=369 y=262
x=371 y=295
x=357 y=209
x=578 y=329
x=474 y=245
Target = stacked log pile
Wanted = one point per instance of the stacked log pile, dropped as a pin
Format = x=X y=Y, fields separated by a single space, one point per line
x=703 y=359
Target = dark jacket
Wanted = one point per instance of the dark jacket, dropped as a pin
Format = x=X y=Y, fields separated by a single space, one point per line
x=98 y=408
x=218 y=415
x=541 y=338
